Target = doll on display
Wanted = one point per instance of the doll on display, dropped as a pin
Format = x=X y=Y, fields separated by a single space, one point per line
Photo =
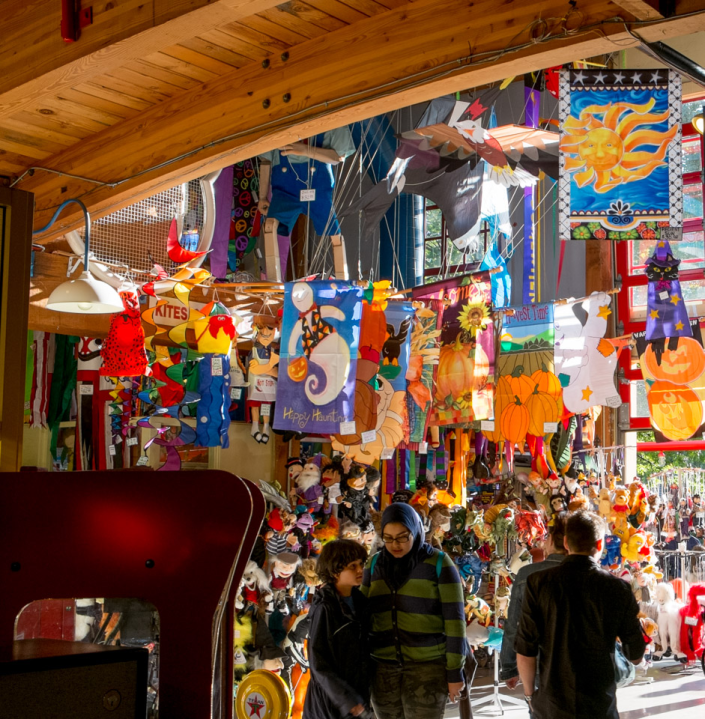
x=554 y=484
x=306 y=581
x=254 y=590
x=368 y=536
x=350 y=530
x=649 y=628
x=374 y=480
x=502 y=603
x=557 y=506
x=578 y=501
x=301 y=179
x=283 y=568
x=669 y=621
x=308 y=491
x=356 y=499
x=604 y=506
x=612 y=558
x=670 y=521
x=425 y=496
x=637 y=497
x=263 y=370
x=439 y=525
x=698 y=512
x=683 y=518
x=620 y=512
x=569 y=487
x=303 y=532
x=294 y=467
x=278 y=536
x=331 y=477
x=632 y=547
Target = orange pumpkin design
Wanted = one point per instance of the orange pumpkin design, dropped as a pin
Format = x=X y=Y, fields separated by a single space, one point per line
x=456 y=371
x=515 y=422
x=676 y=411
x=681 y=365
x=542 y=408
x=522 y=385
x=298 y=369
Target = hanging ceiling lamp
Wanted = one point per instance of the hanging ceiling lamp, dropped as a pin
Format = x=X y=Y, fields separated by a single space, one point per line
x=86 y=295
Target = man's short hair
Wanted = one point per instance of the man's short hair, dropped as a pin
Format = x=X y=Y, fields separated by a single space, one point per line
x=557 y=531
x=336 y=555
x=583 y=530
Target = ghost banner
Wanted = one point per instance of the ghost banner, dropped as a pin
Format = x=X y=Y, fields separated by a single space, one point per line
x=317 y=366
x=620 y=155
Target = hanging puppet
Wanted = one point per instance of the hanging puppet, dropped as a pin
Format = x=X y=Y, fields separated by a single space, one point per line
x=263 y=372
x=300 y=177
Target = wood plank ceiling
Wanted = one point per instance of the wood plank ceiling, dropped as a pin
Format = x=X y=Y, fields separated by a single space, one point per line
x=150 y=90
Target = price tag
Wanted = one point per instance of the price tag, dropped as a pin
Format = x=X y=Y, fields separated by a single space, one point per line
x=235 y=392
x=614 y=401
x=118 y=440
x=111 y=450
x=423 y=447
x=347 y=427
x=369 y=436
x=487 y=425
x=549 y=427
x=265 y=410
x=691 y=621
x=86 y=389
x=132 y=441
x=320 y=500
x=307 y=196
x=663 y=295
x=387 y=453
x=217 y=366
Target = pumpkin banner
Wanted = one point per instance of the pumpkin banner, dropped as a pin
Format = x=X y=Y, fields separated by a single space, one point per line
x=620 y=155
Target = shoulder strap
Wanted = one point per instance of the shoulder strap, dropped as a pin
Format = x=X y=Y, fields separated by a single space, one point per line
x=372 y=564
x=439 y=564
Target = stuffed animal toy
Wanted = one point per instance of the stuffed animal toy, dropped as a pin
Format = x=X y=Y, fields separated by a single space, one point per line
x=477 y=609
x=279 y=537
x=350 y=530
x=557 y=505
x=282 y=572
x=632 y=547
x=637 y=495
x=323 y=533
x=691 y=639
x=620 y=512
x=439 y=518
x=530 y=527
x=470 y=568
x=520 y=558
x=569 y=487
x=612 y=558
x=501 y=603
x=402 y=495
x=254 y=589
x=649 y=628
x=578 y=502
x=303 y=531
x=669 y=621
x=426 y=496
x=554 y=483
x=604 y=507
x=306 y=581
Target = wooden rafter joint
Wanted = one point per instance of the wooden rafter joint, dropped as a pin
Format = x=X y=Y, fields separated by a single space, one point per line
x=74 y=19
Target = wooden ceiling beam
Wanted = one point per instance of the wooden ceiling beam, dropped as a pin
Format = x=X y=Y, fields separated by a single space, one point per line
x=36 y=63
x=386 y=62
x=641 y=9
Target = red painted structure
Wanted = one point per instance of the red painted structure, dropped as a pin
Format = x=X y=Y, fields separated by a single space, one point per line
x=91 y=534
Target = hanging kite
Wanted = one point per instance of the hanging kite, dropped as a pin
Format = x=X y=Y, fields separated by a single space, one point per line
x=177 y=254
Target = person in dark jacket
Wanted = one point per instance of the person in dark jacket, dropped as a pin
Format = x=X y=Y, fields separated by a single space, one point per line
x=338 y=649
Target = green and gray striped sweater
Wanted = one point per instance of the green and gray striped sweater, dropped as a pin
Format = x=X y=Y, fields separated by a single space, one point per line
x=422 y=621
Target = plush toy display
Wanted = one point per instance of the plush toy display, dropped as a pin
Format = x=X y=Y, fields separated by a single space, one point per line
x=620 y=512
x=355 y=504
x=669 y=621
x=308 y=492
x=691 y=615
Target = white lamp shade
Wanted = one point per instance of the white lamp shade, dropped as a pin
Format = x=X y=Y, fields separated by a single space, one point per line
x=85 y=296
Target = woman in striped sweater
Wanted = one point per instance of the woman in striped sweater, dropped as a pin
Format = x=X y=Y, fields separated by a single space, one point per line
x=417 y=621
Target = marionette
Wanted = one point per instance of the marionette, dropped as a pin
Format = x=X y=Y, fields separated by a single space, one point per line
x=604 y=506
x=331 y=477
x=439 y=521
x=620 y=510
x=254 y=589
x=279 y=537
x=263 y=370
x=669 y=621
x=355 y=504
x=301 y=179
x=308 y=492
x=692 y=623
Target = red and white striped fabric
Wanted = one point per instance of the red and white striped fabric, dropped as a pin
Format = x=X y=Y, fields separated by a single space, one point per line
x=41 y=384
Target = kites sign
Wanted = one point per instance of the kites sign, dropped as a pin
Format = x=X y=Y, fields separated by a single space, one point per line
x=620 y=155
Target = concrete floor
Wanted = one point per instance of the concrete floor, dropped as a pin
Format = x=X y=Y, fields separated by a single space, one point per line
x=676 y=692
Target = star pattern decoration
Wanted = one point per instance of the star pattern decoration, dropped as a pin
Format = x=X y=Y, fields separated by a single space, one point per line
x=618 y=77
x=656 y=77
x=679 y=326
x=587 y=393
x=579 y=77
x=256 y=706
x=636 y=78
x=675 y=299
x=600 y=77
x=654 y=314
x=604 y=312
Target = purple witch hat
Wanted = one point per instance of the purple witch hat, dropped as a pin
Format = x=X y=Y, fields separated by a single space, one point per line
x=666 y=312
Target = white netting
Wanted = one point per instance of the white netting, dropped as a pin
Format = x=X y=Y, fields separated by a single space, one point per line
x=128 y=237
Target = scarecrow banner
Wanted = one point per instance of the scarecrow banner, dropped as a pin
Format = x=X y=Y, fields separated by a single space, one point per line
x=585 y=361
x=620 y=155
x=317 y=366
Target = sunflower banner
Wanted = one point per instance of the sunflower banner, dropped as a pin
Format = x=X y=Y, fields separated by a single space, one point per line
x=464 y=381
x=620 y=155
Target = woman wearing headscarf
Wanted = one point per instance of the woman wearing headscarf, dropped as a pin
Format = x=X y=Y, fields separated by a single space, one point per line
x=417 y=621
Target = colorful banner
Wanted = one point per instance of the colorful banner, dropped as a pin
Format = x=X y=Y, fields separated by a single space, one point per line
x=320 y=336
x=585 y=361
x=620 y=159
x=422 y=364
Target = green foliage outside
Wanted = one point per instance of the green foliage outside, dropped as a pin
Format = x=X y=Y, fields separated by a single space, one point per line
x=647 y=463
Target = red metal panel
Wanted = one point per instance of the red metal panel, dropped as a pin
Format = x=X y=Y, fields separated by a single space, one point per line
x=93 y=535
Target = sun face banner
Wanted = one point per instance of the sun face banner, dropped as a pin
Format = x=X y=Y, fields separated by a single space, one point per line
x=620 y=155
